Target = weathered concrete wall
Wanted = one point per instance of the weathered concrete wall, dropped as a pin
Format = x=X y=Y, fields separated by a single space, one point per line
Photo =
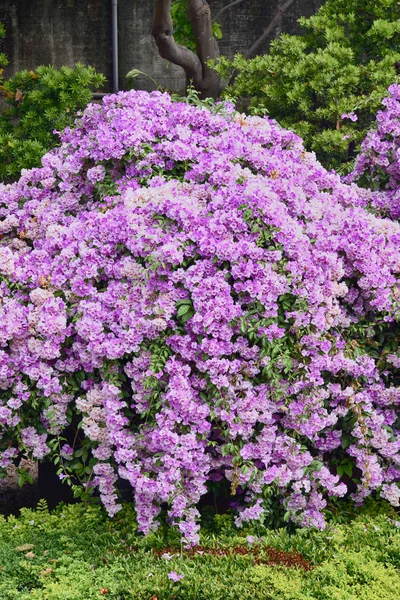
x=57 y=32
x=68 y=31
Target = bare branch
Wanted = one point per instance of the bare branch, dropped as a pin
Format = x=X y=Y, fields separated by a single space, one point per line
x=204 y=79
x=267 y=32
x=199 y=14
x=162 y=31
x=225 y=8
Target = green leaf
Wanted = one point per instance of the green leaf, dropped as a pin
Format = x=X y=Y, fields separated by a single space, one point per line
x=182 y=310
x=347 y=440
x=135 y=73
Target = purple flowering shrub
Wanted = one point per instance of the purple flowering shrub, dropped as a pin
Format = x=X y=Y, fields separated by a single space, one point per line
x=378 y=164
x=206 y=301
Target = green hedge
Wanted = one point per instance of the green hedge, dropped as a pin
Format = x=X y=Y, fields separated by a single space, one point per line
x=78 y=554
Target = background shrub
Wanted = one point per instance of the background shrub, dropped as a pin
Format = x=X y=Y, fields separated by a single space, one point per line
x=3 y=57
x=183 y=32
x=342 y=65
x=38 y=104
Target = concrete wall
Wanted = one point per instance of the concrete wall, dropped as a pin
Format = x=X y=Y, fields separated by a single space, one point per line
x=61 y=32
x=57 y=32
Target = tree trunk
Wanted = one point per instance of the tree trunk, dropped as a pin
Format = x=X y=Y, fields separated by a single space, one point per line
x=203 y=78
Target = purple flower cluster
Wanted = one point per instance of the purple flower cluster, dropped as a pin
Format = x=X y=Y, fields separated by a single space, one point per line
x=378 y=164
x=206 y=299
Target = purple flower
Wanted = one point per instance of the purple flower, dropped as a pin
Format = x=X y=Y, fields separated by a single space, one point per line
x=175 y=576
x=378 y=162
x=96 y=174
x=352 y=116
x=67 y=451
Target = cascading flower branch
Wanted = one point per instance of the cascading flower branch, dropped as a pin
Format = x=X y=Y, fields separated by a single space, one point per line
x=202 y=301
x=378 y=164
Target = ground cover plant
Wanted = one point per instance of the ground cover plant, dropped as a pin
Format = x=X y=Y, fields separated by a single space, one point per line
x=205 y=305
x=327 y=84
x=77 y=553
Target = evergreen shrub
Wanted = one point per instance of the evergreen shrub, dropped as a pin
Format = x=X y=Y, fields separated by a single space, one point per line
x=183 y=32
x=327 y=84
x=3 y=57
x=37 y=105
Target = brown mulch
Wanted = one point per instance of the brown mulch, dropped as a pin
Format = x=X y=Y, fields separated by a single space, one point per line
x=261 y=554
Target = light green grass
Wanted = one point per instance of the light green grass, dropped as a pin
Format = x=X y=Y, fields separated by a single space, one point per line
x=77 y=553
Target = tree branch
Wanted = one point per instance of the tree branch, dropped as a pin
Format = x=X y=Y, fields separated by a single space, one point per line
x=204 y=79
x=168 y=48
x=225 y=8
x=267 y=32
x=199 y=14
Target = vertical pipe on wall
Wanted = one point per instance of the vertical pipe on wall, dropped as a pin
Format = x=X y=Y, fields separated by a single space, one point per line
x=114 y=25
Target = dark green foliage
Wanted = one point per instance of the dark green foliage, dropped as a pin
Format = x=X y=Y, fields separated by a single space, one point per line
x=37 y=103
x=183 y=33
x=3 y=57
x=77 y=553
x=345 y=61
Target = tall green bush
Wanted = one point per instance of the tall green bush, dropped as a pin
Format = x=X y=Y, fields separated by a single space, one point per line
x=342 y=66
x=38 y=103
